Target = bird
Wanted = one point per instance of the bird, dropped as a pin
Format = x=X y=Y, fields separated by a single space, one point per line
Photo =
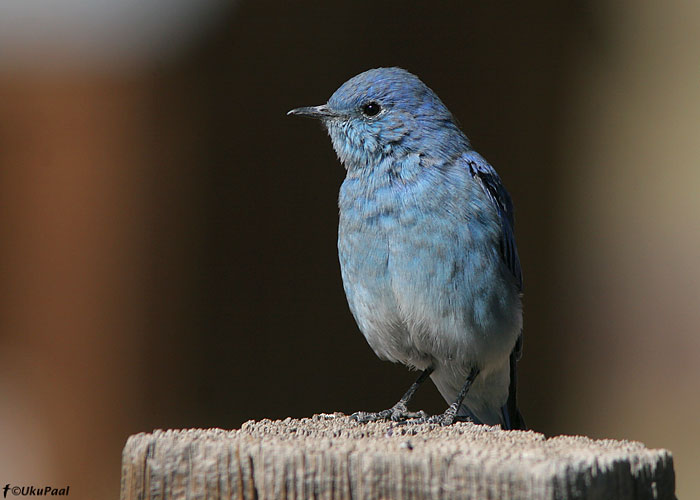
x=426 y=246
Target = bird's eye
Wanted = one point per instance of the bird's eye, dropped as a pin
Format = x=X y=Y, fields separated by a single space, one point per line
x=371 y=109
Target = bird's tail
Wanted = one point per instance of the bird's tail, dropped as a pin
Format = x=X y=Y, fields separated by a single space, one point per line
x=511 y=416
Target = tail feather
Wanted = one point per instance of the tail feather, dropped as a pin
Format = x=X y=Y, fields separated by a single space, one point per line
x=512 y=418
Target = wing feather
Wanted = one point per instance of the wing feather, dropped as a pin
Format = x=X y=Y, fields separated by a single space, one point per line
x=493 y=187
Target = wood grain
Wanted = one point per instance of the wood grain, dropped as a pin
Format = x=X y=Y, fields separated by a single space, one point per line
x=330 y=457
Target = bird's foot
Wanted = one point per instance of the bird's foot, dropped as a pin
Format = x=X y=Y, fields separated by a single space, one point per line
x=449 y=417
x=397 y=413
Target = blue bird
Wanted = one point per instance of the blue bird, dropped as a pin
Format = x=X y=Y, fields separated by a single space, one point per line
x=426 y=247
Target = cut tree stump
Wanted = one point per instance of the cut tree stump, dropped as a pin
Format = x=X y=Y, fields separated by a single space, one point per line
x=331 y=457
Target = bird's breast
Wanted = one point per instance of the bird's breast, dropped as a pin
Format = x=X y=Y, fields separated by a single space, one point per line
x=422 y=276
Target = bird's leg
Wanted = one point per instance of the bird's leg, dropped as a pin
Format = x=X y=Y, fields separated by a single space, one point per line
x=450 y=415
x=399 y=411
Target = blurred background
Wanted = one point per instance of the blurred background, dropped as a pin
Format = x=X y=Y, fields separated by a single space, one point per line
x=168 y=250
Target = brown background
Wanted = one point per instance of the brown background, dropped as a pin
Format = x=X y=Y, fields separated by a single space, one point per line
x=168 y=235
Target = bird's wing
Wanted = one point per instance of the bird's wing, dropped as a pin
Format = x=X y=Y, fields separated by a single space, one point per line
x=493 y=187
x=491 y=183
x=487 y=177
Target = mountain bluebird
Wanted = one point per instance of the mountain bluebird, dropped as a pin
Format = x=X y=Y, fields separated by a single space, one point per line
x=426 y=247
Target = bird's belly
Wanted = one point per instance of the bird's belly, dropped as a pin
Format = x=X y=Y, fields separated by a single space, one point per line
x=364 y=264
x=419 y=298
x=457 y=304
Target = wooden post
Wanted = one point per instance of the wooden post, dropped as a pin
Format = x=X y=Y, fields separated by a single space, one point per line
x=330 y=457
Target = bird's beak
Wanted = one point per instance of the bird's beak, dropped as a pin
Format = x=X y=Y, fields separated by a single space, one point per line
x=320 y=112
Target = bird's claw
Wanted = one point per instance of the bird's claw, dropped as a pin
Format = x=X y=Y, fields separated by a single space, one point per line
x=443 y=419
x=398 y=413
x=363 y=417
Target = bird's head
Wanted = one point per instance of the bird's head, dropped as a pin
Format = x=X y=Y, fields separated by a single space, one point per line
x=385 y=111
